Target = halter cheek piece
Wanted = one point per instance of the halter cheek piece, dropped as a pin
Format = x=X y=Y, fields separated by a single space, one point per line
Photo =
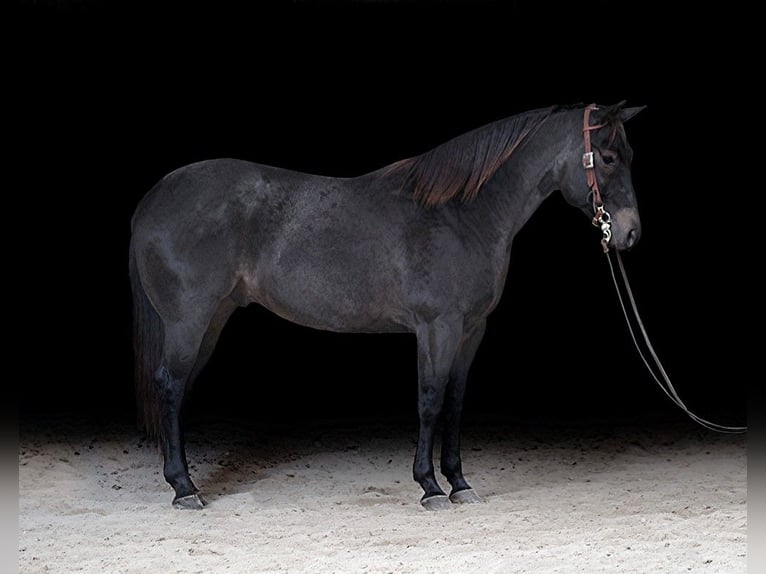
x=601 y=218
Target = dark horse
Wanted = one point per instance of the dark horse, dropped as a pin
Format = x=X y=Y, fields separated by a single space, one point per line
x=421 y=246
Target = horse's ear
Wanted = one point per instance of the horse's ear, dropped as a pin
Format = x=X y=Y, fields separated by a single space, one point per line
x=627 y=113
x=620 y=111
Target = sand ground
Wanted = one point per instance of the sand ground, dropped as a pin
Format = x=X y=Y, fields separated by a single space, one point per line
x=338 y=497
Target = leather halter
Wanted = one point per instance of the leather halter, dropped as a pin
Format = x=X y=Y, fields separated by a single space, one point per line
x=587 y=159
x=601 y=217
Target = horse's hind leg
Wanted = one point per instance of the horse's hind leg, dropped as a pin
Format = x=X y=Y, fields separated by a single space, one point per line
x=171 y=381
x=451 y=464
x=185 y=353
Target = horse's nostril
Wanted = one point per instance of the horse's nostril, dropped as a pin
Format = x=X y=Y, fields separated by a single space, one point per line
x=632 y=238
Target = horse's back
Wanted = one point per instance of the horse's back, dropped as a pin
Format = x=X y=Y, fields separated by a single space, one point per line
x=320 y=251
x=205 y=189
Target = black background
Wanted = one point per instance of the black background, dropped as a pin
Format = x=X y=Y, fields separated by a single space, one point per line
x=109 y=97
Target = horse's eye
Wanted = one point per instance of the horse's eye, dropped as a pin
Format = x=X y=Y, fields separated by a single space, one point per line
x=608 y=158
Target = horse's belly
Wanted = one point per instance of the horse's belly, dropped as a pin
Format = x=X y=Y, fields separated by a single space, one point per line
x=329 y=299
x=337 y=315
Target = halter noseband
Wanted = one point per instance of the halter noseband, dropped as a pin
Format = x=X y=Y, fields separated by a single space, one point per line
x=601 y=217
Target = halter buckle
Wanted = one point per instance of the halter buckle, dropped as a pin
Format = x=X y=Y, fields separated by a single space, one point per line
x=587 y=160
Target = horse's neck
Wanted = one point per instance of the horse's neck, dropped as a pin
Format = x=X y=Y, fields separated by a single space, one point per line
x=527 y=178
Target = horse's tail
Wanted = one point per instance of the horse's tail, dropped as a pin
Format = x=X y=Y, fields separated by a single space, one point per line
x=148 y=337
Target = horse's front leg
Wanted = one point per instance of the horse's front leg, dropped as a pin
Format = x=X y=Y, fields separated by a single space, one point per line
x=451 y=464
x=438 y=342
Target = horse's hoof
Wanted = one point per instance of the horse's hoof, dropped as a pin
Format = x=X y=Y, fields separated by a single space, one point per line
x=190 y=502
x=436 y=502
x=467 y=496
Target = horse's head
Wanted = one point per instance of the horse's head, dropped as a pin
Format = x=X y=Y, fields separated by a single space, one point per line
x=600 y=172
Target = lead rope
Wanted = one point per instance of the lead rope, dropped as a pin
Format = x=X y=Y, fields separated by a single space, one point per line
x=602 y=220
x=670 y=390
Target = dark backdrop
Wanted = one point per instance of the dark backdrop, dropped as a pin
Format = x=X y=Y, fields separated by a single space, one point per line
x=110 y=97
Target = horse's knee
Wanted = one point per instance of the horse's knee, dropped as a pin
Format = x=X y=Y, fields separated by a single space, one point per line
x=429 y=414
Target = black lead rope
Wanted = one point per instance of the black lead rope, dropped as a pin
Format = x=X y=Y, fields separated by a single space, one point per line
x=602 y=220
x=667 y=387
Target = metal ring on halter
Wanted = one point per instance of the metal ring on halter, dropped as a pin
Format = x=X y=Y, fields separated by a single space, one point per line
x=601 y=216
x=603 y=221
x=606 y=231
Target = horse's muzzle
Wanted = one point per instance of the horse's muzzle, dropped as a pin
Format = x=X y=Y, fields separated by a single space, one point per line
x=626 y=228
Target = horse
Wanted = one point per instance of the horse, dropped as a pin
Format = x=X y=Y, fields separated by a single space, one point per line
x=419 y=246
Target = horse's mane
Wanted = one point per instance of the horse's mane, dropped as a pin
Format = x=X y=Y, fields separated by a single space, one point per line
x=459 y=167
